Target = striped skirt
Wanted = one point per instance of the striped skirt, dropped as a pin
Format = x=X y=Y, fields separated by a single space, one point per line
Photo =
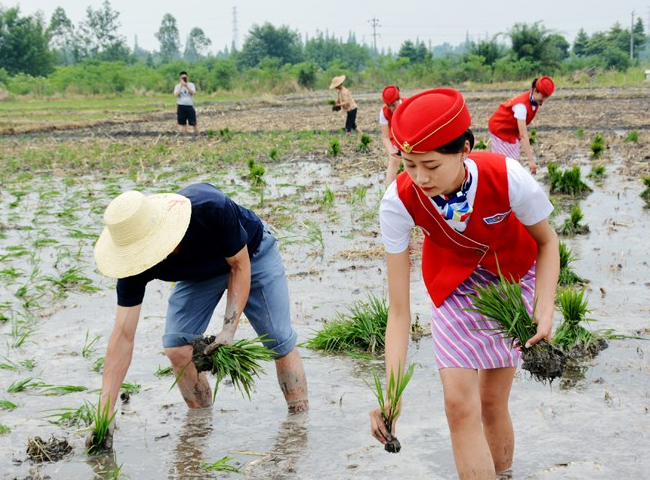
x=505 y=148
x=464 y=339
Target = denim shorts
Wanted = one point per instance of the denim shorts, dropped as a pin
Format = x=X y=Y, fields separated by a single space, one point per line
x=192 y=303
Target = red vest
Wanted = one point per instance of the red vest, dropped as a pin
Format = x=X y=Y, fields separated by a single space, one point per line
x=503 y=123
x=449 y=257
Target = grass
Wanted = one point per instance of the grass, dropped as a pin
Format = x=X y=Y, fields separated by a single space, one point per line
x=597 y=146
x=567 y=275
x=80 y=417
x=164 y=371
x=361 y=330
x=89 y=345
x=256 y=173
x=645 y=194
x=572 y=225
x=220 y=466
x=566 y=182
x=597 y=172
x=390 y=405
x=480 y=144
x=327 y=200
x=22 y=385
x=570 y=334
x=335 y=148
x=241 y=362
x=632 y=136
x=4 y=429
x=130 y=387
x=7 y=405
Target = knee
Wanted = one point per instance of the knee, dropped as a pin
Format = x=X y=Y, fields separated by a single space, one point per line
x=493 y=408
x=461 y=411
x=179 y=356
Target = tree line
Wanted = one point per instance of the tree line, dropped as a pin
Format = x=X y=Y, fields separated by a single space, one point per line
x=44 y=57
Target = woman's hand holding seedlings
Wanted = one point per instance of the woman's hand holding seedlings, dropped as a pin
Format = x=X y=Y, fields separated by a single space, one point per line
x=222 y=338
x=108 y=439
x=378 y=427
x=544 y=327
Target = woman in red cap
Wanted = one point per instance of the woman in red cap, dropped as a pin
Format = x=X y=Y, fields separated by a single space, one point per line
x=392 y=99
x=508 y=124
x=472 y=209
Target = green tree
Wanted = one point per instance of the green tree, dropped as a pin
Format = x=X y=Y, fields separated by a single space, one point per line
x=196 y=45
x=61 y=33
x=169 y=38
x=268 y=41
x=581 y=43
x=537 y=45
x=415 y=52
x=24 y=44
x=99 y=37
x=490 y=50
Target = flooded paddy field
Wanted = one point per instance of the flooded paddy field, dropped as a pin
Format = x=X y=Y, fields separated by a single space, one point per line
x=56 y=311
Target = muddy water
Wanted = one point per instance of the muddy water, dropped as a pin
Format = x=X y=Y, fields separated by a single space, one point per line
x=594 y=426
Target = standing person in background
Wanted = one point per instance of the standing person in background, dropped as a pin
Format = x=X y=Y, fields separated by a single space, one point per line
x=185 y=112
x=508 y=124
x=345 y=101
x=392 y=99
x=472 y=209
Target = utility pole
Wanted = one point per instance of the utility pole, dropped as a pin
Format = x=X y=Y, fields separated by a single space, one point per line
x=375 y=23
x=234 y=28
x=632 y=37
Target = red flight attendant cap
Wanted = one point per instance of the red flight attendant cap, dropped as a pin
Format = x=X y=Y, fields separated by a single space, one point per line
x=390 y=94
x=429 y=120
x=545 y=86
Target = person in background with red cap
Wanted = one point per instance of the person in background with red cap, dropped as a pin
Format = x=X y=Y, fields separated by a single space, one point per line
x=392 y=99
x=508 y=125
x=472 y=208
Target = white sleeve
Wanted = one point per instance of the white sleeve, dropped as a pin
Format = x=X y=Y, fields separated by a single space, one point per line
x=395 y=221
x=382 y=118
x=520 y=111
x=527 y=199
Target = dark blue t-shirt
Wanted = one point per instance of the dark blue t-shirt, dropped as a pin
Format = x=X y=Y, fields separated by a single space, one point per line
x=219 y=228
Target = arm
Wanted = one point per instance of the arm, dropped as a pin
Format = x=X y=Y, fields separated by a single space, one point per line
x=119 y=353
x=385 y=139
x=546 y=277
x=525 y=141
x=397 y=329
x=177 y=89
x=344 y=99
x=239 y=286
x=191 y=88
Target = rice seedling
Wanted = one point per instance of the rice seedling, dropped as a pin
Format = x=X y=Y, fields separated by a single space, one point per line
x=100 y=427
x=597 y=146
x=8 y=365
x=480 y=144
x=327 y=200
x=164 y=371
x=572 y=225
x=597 y=172
x=131 y=388
x=20 y=332
x=210 y=133
x=256 y=173
x=225 y=134
x=502 y=305
x=580 y=132
x=116 y=472
x=361 y=330
x=567 y=182
x=645 y=194
x=532 y=136
x=22 y=385
x=98 y=365
x=29 y=364
x=72 y=279
x=241 y=362
x=274 y=154
x=89 y=345
x=357 y=195
x=73 y=417
x=62 y=389
x=570 y=335
x=221 y=465
x=335 y=148
x=314 y=235
x=365 y=141
x=4 y=429
x=7 y=405
x=390 y=405
x=567 y=275
x=632 y=136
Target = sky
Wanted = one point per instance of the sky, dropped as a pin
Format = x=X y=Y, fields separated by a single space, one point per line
x=388 y=23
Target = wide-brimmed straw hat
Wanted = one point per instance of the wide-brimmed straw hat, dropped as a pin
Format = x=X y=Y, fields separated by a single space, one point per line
x=336 y=81
x=140 y=232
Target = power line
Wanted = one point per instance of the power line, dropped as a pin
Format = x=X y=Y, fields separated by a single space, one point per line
x=374 y=23
x=234 y=28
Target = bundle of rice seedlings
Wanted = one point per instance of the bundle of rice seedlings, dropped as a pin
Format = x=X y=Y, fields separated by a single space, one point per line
x=503 y=304
x=390 y=405
x=567 y=275
x=572 y=225
x=362 y=330
x=571 y=336
x=241 y=362
x=100 y=428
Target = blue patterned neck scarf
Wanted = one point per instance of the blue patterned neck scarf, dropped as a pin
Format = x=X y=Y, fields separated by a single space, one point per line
x=456 y=207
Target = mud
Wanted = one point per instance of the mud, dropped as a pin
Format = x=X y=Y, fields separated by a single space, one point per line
x=590 y=426
x=544 y=362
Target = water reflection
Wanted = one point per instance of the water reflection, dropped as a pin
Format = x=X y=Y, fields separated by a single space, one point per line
x=105 y=465
x=192 y=441
x=281 y=463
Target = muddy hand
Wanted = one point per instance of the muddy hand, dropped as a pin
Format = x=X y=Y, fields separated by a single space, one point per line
x=108 y=440
x=223 y=338
x=378 y=428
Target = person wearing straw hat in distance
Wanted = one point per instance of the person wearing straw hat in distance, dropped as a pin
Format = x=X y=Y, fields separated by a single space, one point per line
x=508 y=125
x=207 y=244
x=391 y=97
x=472 y=208
x=345 y=101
